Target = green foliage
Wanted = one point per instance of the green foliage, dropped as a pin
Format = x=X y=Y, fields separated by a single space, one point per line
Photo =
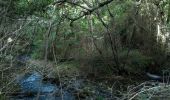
x=2 y=97
x=99 y=98
x=135 y=61
x=38 y=42
x=31 y=6
x=121 y=10
x=37 y=54
x=128 y=19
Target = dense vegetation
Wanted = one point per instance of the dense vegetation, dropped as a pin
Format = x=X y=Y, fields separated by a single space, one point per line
x=101 y=40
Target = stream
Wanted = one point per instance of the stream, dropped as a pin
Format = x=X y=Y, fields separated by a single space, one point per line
x=33 y=88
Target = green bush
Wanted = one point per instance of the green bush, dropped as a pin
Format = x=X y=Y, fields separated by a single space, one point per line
x=134 y=61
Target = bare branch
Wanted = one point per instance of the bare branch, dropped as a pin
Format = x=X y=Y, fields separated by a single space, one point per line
x=59 y=2
x=88 y=12
x=87 y=3
x=76 y=4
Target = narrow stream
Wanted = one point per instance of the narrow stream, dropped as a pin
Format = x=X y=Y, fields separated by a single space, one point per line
x=33 y=88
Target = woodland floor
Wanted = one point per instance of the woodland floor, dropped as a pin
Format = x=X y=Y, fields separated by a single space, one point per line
x=85 y=86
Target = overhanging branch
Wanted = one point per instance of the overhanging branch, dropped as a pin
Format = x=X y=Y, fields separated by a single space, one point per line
x=88 y=12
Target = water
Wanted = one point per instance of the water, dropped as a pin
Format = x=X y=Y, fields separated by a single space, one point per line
x=31 y=84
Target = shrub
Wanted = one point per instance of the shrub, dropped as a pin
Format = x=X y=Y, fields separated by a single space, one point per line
x=134 y=61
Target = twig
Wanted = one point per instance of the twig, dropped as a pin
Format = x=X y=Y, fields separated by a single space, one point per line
x=145 y=90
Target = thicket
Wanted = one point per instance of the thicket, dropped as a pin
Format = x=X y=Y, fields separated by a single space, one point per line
x=119 y=37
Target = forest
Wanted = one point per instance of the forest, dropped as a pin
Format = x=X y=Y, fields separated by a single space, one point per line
x=84 y=49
